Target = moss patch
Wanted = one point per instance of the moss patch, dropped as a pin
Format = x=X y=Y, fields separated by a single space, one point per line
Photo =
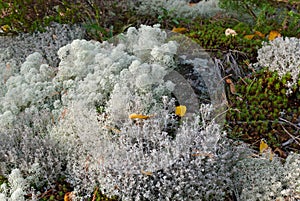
x=261 y=109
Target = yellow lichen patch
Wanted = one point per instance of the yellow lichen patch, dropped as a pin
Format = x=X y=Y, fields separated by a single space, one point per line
x=180 y=110
x=274 y=34
x=263 y=146
x=255 y=35
x=264 y=149
x=258 y=33
x=179 y=30
x=139 y=116
x=249 y=37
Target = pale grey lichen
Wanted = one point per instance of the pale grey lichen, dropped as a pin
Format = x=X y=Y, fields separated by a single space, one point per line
x=50 y=127
x=265 y=179
x=142 y=162
x=17 y=187
x=283 y=56
x=31 y=88
x=15 y=49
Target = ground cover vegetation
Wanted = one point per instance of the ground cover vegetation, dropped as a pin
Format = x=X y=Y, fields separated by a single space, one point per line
x=259 y=60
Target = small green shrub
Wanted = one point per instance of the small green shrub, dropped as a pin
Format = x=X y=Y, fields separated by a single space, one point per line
x=102 y=19
x=266 y=15
x=258 y=109
x=211 y=36
x=29 y=15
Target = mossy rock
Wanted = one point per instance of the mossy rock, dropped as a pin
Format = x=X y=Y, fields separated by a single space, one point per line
x=261 y=109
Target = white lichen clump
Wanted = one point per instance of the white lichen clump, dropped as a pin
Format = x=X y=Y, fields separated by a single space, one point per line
x=129 y=78
x=270 y=179
x=29 y=90
x=73 y=120
x=283 y=56
x=17 y=187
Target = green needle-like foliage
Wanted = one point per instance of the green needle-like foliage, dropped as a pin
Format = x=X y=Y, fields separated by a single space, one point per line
x=263 y=103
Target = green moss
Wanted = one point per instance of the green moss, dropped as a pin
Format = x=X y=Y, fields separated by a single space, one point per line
x=211 y=36
x=266 y=15
x=29 y=15
x=263 y=101
x=243 y=28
